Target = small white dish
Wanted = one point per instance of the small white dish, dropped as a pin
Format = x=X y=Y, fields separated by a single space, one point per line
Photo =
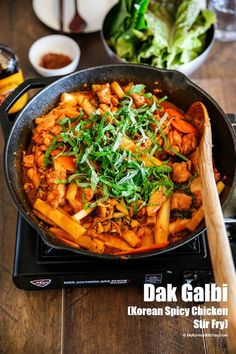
x=93 y=11
x=58 y=44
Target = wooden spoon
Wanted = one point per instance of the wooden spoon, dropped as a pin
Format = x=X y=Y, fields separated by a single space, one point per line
x=221 y=256
x=77 y=24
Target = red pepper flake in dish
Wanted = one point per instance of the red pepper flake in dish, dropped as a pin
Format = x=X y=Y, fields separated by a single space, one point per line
x=55 y=61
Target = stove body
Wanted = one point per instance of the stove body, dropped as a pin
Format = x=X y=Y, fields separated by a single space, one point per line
x=38 y=266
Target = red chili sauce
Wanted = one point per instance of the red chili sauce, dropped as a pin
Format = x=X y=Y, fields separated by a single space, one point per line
x=55 y=61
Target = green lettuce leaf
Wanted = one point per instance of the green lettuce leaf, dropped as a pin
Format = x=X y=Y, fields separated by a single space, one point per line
x=189 y=42
x=119 y=23
x=126 y=46
x=130 y=18
x=168 y=34
x=155 y=40
x=186 y=15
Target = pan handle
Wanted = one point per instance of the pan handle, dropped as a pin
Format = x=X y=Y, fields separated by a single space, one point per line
x=230 y=220
x=5 y=120
x=232 y=118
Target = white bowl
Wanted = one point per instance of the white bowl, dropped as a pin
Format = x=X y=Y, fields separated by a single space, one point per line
x=54 y=44
x=194 y=64
x=186 y=69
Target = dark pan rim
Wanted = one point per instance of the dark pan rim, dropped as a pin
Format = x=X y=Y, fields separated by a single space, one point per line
x=39 y=228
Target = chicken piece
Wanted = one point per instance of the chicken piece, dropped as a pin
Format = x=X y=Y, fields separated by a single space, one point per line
x=181 y=171
x=45 y=124
x=196 y=189
x=110 y=226
x=114 y=101
x=85 y=104
x=128 y=87
x=155 y=202
x=71 y=196
x=77 y=196
x=39 y=156
x=71 y=112
x=85 y=194
x=180 y=201
x=139 y=100
x=103 y=92
x=28 y=187
x=56 y=130
x=28 y=161
x=183 y=143
x=47 y=138
x=37 y=137
x=57 y=194
x=175 y=141
x=103 y=108
x=189 y=144
x=143 y=230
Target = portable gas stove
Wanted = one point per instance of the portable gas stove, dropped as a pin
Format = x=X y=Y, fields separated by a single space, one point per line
x=37 y=266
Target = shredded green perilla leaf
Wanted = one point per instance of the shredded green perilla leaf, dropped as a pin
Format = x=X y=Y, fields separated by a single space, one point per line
x=102 y=164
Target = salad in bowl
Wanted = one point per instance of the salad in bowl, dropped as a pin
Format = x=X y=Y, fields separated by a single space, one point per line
x=165 y=34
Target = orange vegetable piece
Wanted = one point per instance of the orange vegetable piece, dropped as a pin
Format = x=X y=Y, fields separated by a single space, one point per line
x=174 y=113
x=168 y=104
x=178 y=225
x=143 y=249
x=147 y=240
x=184 y=126
x=67 y=162
x=57 y=232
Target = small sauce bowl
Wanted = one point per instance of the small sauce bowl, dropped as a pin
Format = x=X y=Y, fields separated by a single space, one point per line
x=56 y=44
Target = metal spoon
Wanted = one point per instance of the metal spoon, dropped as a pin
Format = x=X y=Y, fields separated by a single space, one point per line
x=220 y=251
x=77 y=24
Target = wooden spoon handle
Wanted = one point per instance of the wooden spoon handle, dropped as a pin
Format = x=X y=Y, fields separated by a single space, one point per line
x=220 y=251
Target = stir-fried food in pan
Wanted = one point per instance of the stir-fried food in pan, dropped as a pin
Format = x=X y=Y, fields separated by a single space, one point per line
x=111 y=170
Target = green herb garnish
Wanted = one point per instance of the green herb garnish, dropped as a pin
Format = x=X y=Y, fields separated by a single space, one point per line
x=102 y=164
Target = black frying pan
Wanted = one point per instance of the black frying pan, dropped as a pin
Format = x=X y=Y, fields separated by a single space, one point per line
x=178 y=87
